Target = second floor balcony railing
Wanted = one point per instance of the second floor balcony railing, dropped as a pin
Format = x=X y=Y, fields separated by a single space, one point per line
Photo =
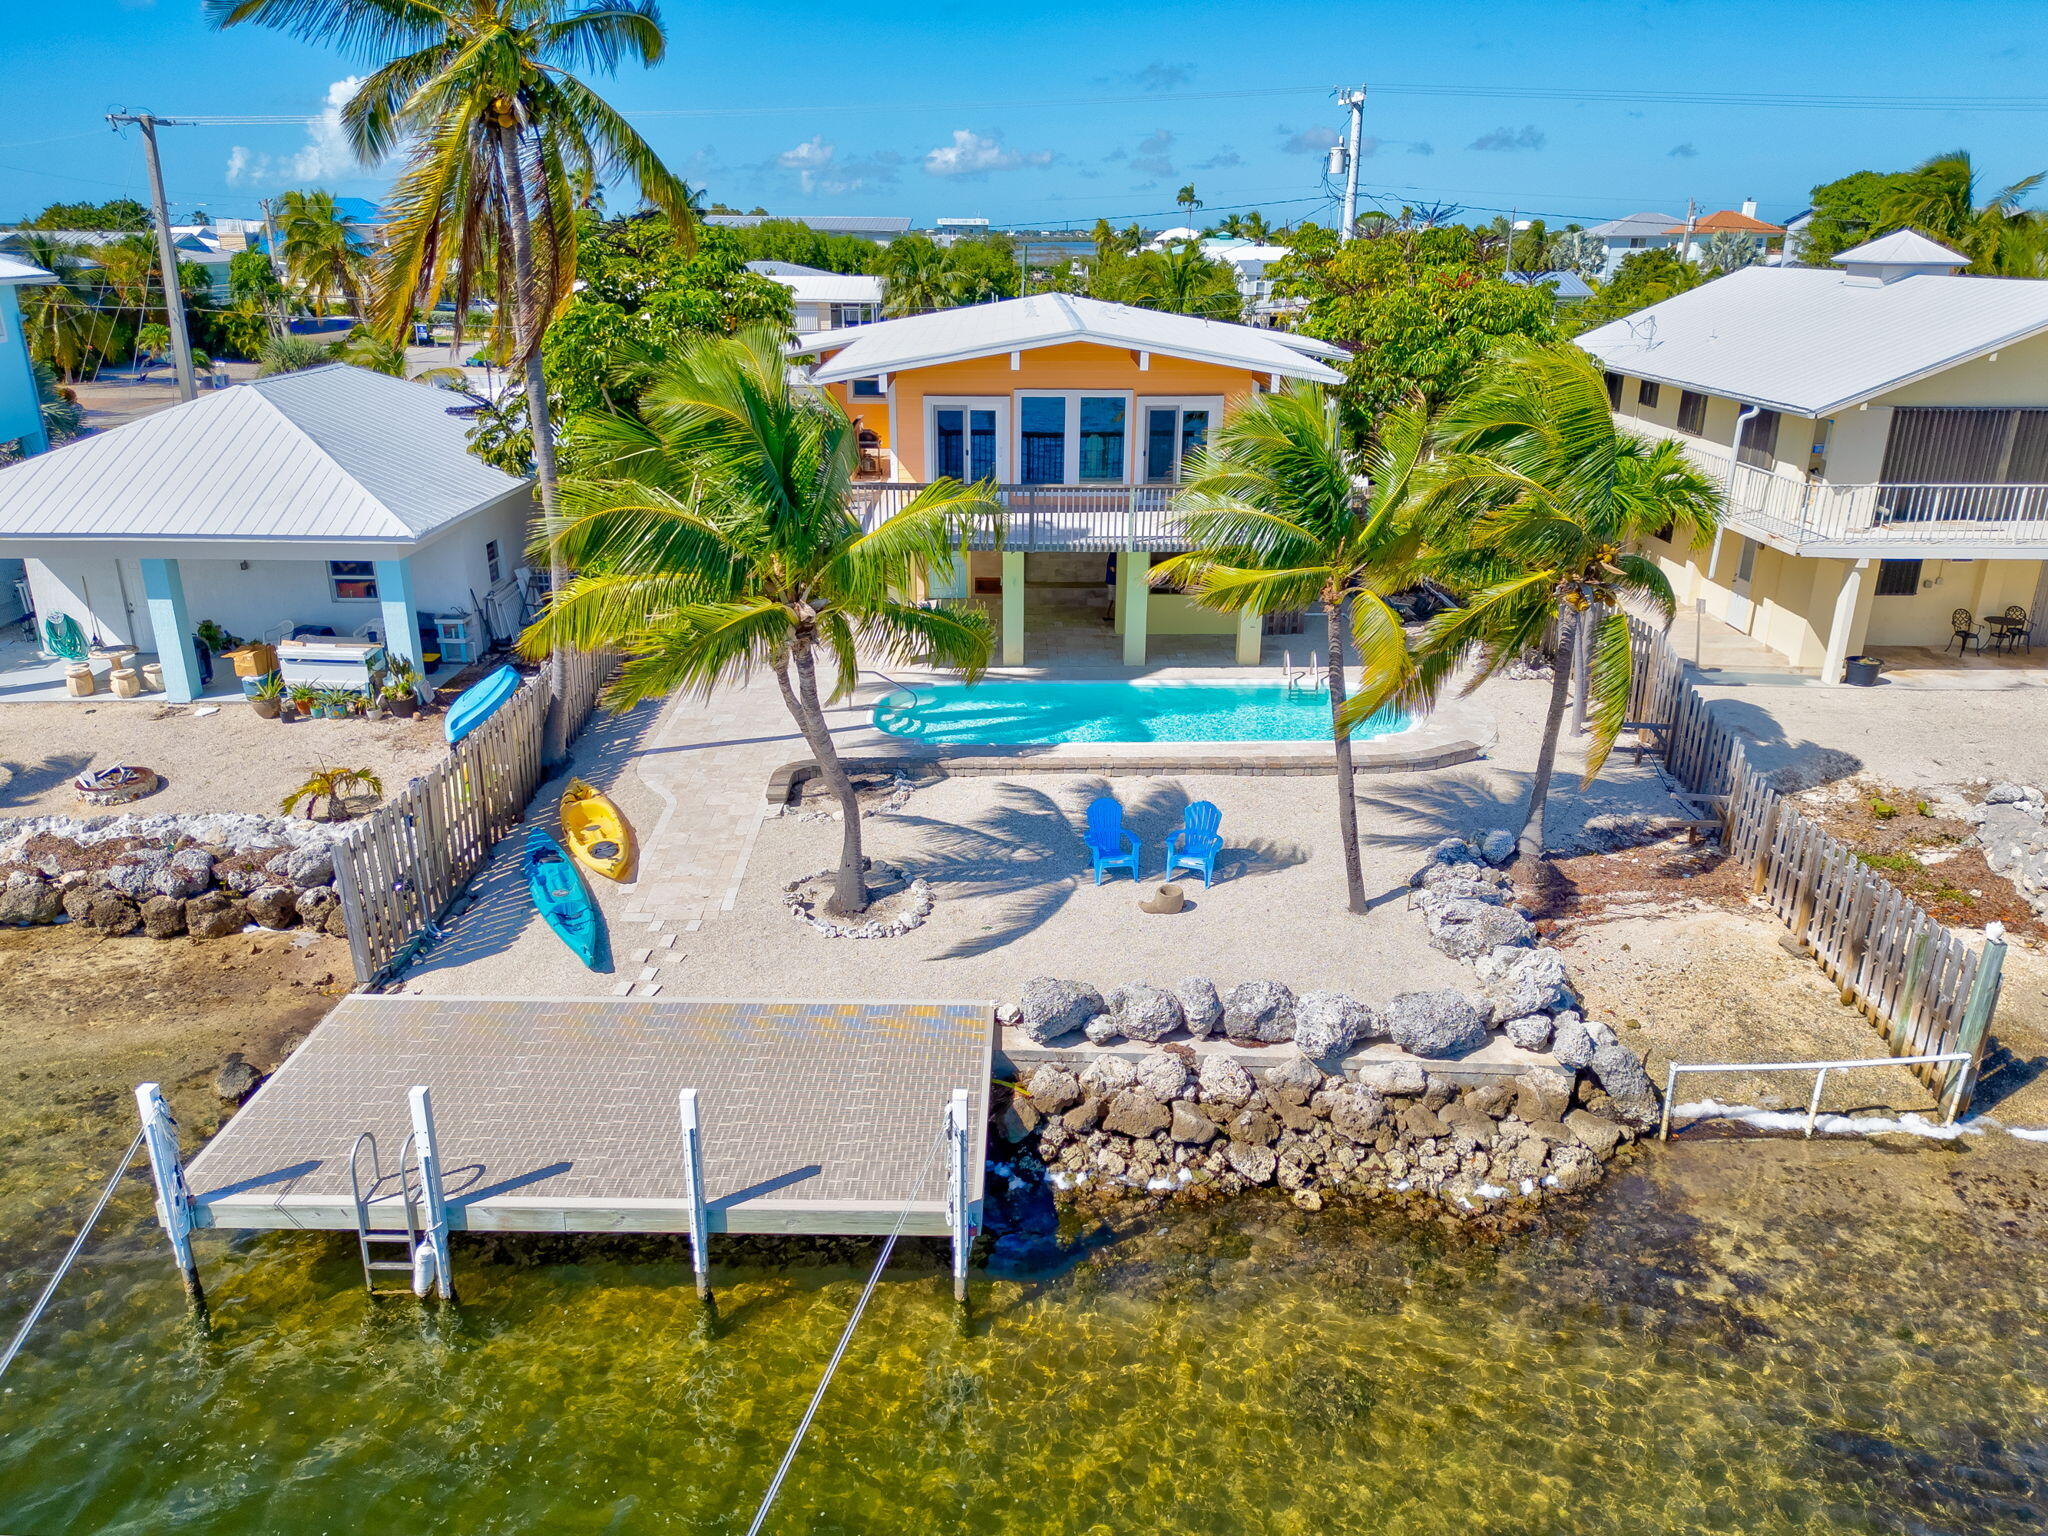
x=1055 y=517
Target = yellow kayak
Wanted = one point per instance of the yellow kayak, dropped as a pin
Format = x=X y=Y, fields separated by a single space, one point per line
x=595 y=833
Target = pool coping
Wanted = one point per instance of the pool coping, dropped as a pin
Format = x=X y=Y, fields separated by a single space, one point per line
x=1458 y=733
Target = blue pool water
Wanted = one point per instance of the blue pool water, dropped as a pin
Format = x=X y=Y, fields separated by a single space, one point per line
x=1040 y=714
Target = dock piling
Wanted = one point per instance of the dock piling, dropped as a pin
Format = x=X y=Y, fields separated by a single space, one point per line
x=434 y=1203
x=693 y=1192
x=167 y=1172
x=960 y=1187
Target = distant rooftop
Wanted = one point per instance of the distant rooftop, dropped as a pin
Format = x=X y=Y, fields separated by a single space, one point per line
x=1568 y=285
x=1636 y=225
x=824 y=224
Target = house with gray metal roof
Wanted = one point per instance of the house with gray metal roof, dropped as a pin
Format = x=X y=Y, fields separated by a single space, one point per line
x=1879 y=427
x=1622 y=238
x=333 y=501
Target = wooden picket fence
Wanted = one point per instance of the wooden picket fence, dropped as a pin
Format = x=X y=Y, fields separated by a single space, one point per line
x=1926 y=990
x=399 y=867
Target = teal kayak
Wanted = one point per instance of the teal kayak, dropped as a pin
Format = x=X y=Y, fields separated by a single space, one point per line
x=476 y=704
x=563 y=899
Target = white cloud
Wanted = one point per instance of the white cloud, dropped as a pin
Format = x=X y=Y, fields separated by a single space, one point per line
x=326 y=155
x=820 y=171
x=971 y=154
x=1508 y=140
x=1153 y=156
x=1309 y=141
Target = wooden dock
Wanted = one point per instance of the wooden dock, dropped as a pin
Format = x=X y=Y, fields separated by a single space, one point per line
x=560 y=1115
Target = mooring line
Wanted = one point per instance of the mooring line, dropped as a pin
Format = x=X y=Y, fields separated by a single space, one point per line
x=845 y=1338
x=77 y=1243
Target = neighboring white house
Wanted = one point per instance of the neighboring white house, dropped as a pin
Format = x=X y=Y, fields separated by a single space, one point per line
x=1251 y=262
x=825 y=301
x=1880 y=427
x=1622 y=238
x=334 y=498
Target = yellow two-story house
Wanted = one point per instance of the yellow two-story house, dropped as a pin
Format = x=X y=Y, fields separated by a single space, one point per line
x=1082 y=413
x=1879 y=428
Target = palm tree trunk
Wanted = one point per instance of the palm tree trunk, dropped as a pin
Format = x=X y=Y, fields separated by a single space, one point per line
x=1338 y=614
x=850 y=890
x=526 y=327
x=1529 y=846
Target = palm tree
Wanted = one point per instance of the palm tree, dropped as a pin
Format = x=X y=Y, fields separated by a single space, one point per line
x=1276 y=524
x=1183 y=281
x=334 y=785
x=916 y=276
x=62 y=415
x=1541 y=501
x=504 y=144
x=320 y=256
x=1939 y=196
x=289 y=354
x=1186 y=200
x=715 y=534
x=60 y=321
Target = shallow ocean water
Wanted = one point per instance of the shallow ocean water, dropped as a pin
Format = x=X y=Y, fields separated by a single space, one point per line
x=1041 y=713
x=1727 y=1337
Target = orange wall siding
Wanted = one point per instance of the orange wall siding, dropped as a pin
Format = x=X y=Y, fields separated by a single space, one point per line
x=1077 y=365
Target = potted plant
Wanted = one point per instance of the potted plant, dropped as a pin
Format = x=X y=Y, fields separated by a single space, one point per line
x=305 y=700
x=399 y=699
x=267 y=697
x=334 y=703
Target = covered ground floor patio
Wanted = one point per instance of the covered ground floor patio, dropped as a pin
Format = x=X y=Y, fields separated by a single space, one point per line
x=1075 y=608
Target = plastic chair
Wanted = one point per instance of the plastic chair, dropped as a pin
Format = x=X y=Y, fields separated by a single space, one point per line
x=1108 y=841
x=1200 y=839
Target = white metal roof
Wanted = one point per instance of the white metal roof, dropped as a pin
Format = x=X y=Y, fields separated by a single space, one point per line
x=1903 y=248
x=829 y=287
x=1634 y=225
x=333 y=453
x=15 y=270
x=1049 y=319
x=784 y=269
x=1811 y=341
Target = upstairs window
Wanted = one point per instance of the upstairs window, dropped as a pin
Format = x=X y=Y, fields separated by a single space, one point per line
x=869 y=388
x=1759 y=446
x=1692 y=413
x=491 y=562
x=1647 y=393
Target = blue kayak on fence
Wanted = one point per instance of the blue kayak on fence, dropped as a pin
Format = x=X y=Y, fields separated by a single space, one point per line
x=474 y=705
x=563 y=899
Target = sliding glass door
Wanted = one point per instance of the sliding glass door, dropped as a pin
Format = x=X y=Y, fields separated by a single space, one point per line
x=1067 y=437
x=1175 y=431
x=964 y=439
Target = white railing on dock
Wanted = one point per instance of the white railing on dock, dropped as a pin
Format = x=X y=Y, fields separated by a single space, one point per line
x=398 y=868
x=1054 y=517
x=1820 y=1069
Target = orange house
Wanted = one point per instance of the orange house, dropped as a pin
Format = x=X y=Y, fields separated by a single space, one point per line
x=1082 y=413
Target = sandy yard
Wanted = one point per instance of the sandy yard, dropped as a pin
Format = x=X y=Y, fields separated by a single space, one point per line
x=228 y=760
x=1904 y=736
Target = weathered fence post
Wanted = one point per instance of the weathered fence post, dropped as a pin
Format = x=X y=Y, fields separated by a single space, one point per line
x=1977 y=1012
x=167 y=1172
x=693 y=1192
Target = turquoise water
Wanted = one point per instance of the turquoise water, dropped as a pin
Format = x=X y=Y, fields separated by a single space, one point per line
x=1040 y=714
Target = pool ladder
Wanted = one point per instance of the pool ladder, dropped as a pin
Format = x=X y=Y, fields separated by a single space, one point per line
x=411 y=1237
x=1307 y=678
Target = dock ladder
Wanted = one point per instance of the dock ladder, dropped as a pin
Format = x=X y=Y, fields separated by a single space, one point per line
x=404 y=1201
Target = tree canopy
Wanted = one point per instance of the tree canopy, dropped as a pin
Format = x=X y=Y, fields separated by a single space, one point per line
x=115 y=213
x=1419 y=309
x=1642 y=279
x=1941 y=198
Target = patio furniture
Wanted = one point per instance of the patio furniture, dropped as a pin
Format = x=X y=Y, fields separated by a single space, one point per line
x=2011 y=628
x=1964 y=629
x=1110 y=847
x=1200 y=839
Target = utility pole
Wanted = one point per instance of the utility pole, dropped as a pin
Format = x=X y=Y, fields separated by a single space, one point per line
x=1691 y=218
x=1355 y=100
x=166 y=251
x=1507 y=264
x=279 y=320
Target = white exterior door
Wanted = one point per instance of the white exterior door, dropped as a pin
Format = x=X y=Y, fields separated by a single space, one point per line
x=1740 y=607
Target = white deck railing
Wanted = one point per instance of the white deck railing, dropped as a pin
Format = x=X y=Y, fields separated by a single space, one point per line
x=1821 y=518
x=1055 y=517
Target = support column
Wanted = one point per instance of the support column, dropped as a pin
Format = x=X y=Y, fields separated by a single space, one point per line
x=1134 y=570
x=1841 y=627
x=427 y=1146
x=961 y=1216
x=1251 y=638
x=401 y=621
x=693 y=1191
x=167 y=1172
x=1013 y=608
x=164 y=590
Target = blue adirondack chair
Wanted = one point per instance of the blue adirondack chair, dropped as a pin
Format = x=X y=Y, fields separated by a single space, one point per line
x=1109 y=845
x=1197 y=842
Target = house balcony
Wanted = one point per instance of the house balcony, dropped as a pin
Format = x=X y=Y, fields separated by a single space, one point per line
x=1872 y=520
x=1050 y=518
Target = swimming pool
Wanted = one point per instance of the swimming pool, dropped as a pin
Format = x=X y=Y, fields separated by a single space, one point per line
x=1043 y=714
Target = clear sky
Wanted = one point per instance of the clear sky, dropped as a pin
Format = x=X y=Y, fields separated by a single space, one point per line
x=1058 y=112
